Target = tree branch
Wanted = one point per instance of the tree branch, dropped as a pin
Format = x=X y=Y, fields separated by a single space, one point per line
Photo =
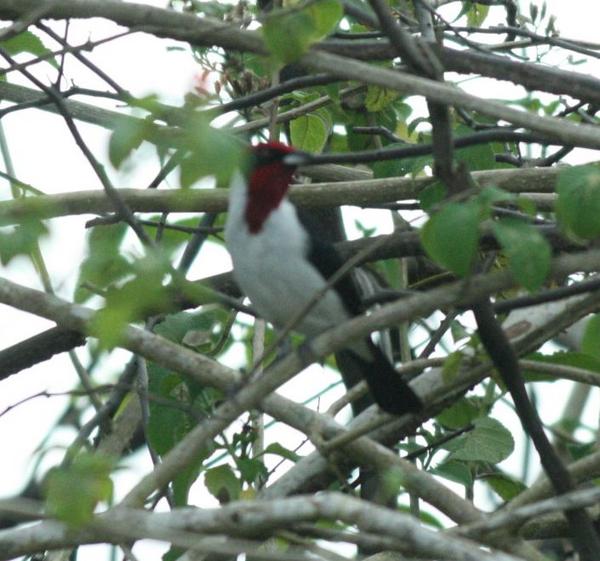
x=566 y=132
x=246 y=519
x=358 y=193
x=209 y=32
x=498 y=347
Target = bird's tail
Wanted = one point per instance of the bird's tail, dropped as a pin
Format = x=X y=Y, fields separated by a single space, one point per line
x=386 y=386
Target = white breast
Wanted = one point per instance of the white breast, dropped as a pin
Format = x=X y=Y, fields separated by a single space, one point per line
x=272 y=270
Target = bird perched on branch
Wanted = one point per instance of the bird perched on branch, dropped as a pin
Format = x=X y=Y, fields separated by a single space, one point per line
x=280 y=267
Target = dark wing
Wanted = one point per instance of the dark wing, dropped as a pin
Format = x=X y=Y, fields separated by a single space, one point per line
x=327 y=261
x=388 y=389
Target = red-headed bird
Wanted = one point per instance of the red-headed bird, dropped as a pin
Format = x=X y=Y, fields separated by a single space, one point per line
x=280 y=267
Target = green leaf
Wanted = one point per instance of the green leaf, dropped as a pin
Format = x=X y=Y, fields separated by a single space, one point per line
x=139 y=297
x=378 y=98
x=477 y=14
x=302 y=96
x=327 y=118
x=104 y=264
x=401 y=166
x=280 y=450
x=72 y=493
x=432 y=195
x=578 y=204
x=325 y=15
x=252 y=470
x=169 y=424
x=489 y=442
x=389 y=168
x=451 y=366
x=526 y=206
x=173 y=554
x=454 y=471
x=309 y=132
x=354 y=140
x=27 y=42
x=458 y=331
x=391 y=481
x=451 y=235
x=222 y=484
x=125 y=138
x=490 y=195
x=578 y=451
x=478 y=157
x=338 y=142
x=257 y=64
x=195 y=292
x=533 y=11
x=590 y=344
x=528 y=252
x=505 y=486
x=213 y=152
x=21 y=240
x=289 y=33
x=200 y=330
x=175 y=327
x=459 y=414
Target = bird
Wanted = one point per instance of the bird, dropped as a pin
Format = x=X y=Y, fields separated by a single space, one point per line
x=279 y=266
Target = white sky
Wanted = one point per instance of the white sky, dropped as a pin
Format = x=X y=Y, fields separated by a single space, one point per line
x=142 y=65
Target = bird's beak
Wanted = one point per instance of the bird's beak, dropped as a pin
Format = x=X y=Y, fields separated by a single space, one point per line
x=297 y=159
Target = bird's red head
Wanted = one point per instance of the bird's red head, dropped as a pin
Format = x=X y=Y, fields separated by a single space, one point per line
x=272 y=165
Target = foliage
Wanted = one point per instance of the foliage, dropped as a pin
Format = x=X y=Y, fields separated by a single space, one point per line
x=291 y=31
x=73 y=492
x=579 y=201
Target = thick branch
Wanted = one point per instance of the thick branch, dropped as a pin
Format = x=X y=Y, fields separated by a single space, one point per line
x=529 y=75
x=251 y=518
x=209 y=32
x=357 y=193
x=515 y=518
x=567 y=132
x=38 y=348
x=141 y=17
